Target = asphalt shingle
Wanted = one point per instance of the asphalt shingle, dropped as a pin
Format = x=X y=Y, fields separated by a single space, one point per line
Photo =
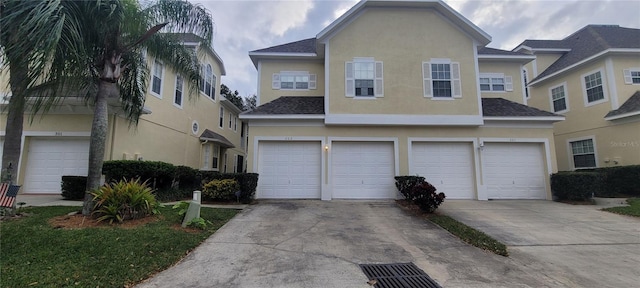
x=215 y=137
x=500 y=107
x=631 y=105
x=494 y=51
x=291 y=105
x=302 y=46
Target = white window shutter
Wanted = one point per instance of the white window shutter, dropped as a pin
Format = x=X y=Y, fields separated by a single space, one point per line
x=312 y=81
x=508 y=83
x=378 y=86
x=426 y=77
x=275 y=81
x=627 y=77
x=350 y=83
x=456 y=85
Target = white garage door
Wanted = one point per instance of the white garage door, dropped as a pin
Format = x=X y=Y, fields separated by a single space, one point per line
x=50 y=159
x=289 y=170
x=363 y=170
x=514 y=171
x=447 y=166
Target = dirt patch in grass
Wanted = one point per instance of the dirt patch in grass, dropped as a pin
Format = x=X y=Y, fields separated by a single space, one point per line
x=78 y=221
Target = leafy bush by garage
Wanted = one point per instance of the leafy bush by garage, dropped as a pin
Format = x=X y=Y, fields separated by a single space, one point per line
x=124 y=200
x=73 y=187
x=419 y=192
x=248 y=183
x=576 y=186
x=224 y=189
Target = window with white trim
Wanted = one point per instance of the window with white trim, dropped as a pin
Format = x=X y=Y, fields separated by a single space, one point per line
x=208 y=81
x=216 y=155
x=293 y=80
x=441 y=79
x=235 y=123
x=593 y=87
x=495 y=82
x=525 y=81
x=583 y=153
x=206 y=154
x=230 y=119
x=632 y=76
x=224 y=163
x=156 y=79
x=364 y=78
x=221 y=117
x=558 y=98
x=177 y=97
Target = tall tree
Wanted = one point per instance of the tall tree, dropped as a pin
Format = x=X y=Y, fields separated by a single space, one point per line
x=234 y=97
x=251 y=102
x=101 y=52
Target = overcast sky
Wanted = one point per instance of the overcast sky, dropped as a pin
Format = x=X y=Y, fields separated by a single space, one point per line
x=245 y=25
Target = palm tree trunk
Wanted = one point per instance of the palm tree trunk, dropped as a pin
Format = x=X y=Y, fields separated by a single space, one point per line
x=97 y=142
x=12 y=146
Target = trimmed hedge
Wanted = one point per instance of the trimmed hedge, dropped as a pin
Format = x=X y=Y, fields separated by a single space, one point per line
x=576 y=186
x=221 y=189
x=159 y=175
x=248 y=182
x=604 y=182
x=73 y=187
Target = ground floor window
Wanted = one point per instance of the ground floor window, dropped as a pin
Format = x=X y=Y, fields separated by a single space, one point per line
x=583 y=154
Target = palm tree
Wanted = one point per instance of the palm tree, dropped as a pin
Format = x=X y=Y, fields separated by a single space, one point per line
x=100 y=52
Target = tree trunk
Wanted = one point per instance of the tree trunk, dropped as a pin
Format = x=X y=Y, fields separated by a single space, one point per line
x=98 y=142
x=12 y=146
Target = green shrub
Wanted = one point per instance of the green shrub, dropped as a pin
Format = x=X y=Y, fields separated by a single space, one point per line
x=158 y=174
x=248 y=183
x=186 y=178
x=576 y=186
x=224 y=189
x=406 y=183
x=73 y=187
x=424 y=195
x=124 y=200
x=621 y=180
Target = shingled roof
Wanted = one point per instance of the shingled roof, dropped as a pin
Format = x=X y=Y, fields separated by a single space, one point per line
x=500 y=107
x=630 y=106
x=209 y=135
x=494 y=51
x=302 y=46
x=291 y=105
x=586 y=43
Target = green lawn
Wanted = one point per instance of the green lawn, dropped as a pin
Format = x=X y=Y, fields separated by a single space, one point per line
x=469 y=235
x=34 y=254
x=632 y=210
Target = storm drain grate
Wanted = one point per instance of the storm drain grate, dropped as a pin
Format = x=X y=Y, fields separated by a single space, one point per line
x=398 y=275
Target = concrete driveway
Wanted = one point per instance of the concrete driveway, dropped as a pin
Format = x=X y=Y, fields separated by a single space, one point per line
x=320 y=244
x=575 y=246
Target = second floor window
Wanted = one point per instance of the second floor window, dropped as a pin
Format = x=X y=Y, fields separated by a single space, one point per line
x=294 y=80
x=208 y=82
x=221 y=117
x=632 y=76
x=558 y=99
x=495 y=82
x=156 y=80
x=177 y=98
x=593 y=87
x=441 y=79
x=363 y=78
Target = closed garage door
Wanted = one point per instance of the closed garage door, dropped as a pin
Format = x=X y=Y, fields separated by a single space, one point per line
x=447 y=166
x=514 y=171
x=289 y=170
x=363 y=170
x=50 y=159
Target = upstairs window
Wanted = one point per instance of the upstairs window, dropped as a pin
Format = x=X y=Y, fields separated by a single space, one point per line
x=525 y=81
x=363 y=78
x=593 y=87
x=559 y=99
x=177 y=98
x=441 y=79
x=293 y=80
x=632 y=76
x=495 y=82
x=156 y=80
x=208 y=82
x=221 y=117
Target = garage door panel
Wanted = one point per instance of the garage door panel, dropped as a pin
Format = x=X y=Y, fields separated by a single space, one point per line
x=363 y=170
x=289 y=170
x=514 y=171
x=448 y=166
x=50 y=159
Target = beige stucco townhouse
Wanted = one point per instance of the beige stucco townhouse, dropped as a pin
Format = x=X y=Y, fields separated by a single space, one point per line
x=592 y=77
x=203 y=133
x=397 y=88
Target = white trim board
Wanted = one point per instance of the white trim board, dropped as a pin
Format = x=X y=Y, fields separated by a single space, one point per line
x=410 y=120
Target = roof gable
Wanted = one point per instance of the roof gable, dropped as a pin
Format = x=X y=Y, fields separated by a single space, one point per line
x=463 y=23
x=628 y=108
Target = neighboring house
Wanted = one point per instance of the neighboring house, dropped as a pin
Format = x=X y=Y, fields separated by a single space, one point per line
x=592 y=77
x=203 y=133
x=397 y=88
